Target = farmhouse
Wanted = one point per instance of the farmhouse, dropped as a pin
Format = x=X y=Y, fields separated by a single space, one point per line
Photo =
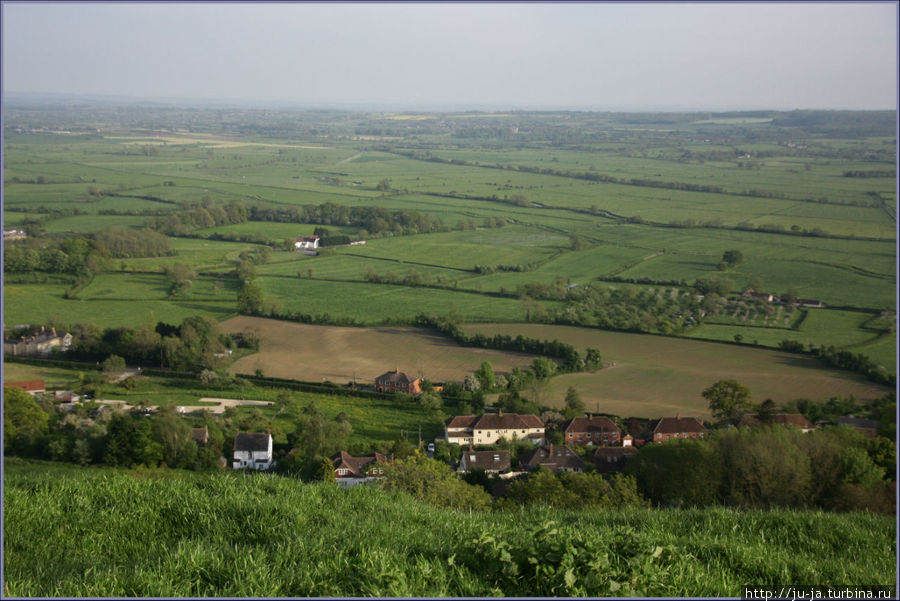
x=764 y=296
x=252 y=451
x=29 y=386
x=14 y=234
x=555 y=458
x=39 y=344
x=307 y=242
x=489 y=428
x=594 y=430
x=397 y=381
x=350 y=470
x=677 y=427
x=492 y=462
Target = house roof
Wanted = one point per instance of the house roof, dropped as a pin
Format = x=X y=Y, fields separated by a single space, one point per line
x=678 y=424
x=595 y=423
x=356 y=464
x=394 y=377
x=552 y=457
x=489 y=460
x=27 y=385
x=252 y=441
x=614 y=452
x=785 y=419
x=462 y=421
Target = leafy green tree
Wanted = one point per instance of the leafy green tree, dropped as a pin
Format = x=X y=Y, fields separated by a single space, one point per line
x=543 y=368
x=732 y=258
x=485 y=375
x=593 y=360
x=326 y=471
x=250 y=299
x=24 y=422
x=434 y=483
x=113 y=364
x=574 y=405
x=174 y=436
x=728 y=400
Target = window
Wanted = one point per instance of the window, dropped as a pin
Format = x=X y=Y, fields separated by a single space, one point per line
x=496 y=457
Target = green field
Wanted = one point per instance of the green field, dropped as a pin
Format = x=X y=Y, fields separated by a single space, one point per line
x=695 y=186
x=260 y=535
x=651 y=376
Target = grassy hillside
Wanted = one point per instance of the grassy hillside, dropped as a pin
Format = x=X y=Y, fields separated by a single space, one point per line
x=160 y=533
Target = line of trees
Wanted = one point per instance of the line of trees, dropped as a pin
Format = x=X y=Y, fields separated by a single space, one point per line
x=372 y=221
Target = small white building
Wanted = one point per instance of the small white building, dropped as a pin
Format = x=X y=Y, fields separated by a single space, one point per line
x=252 y=451
x=307 y=242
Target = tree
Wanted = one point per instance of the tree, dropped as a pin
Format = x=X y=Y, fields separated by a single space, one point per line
x=732 y=258
x=24 y=422
x=250 y=299
x=326 y=471
x=574 y=404
x=593 y=360
x=728 y=400
x=435 y=483
x=113 y=364
x=485 y=375
x=766 y=411
x=543 y=368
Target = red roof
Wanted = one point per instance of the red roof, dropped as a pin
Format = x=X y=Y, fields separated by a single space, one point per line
x=590 y=424
x=356 y=464
x=461 y=421
x=677 y=425
x=27 y=385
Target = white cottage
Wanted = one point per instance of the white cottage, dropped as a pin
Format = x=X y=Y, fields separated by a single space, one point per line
x=252 y=451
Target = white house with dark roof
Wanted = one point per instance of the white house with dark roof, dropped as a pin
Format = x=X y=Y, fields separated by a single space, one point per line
x=252 y=450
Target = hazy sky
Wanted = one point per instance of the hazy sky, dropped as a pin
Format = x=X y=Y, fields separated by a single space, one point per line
x=599 y=56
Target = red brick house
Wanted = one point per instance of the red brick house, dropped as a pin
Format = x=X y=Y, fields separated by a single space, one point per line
x=594 y=430
x=397 y=381
x=29 y=386
x=678 y=427
x=555 y=458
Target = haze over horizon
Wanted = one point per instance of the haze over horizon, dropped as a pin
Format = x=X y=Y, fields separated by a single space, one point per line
x=606 y=57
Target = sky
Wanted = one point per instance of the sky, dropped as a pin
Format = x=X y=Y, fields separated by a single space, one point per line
x=591 y=56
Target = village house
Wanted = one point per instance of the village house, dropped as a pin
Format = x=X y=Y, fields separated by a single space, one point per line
x=32 y=387
x=554 y=458
x=41 y=343
x=491 y=427
x=397 y=381
x=492 y=462
x=252 y=451
x=307 y=242
x=14 y=234
x=612 y=459
x=763 y=296
x=594 y=430
x=678 y=427
x=785 y=419
x=350 y=470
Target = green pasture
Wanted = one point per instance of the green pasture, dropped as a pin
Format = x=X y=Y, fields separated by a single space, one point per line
x=373 y=304
x=41 y=303
x=201 y=255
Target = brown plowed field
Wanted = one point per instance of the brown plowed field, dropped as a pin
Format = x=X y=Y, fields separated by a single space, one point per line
x=313 y=353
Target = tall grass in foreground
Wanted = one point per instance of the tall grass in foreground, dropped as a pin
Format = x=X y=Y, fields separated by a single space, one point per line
x=115 y=534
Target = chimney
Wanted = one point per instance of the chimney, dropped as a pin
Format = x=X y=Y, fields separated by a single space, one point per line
x=677 y=416
x=501 y=412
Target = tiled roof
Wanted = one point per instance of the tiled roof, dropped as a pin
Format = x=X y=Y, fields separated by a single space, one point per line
x=27 y=385
x=393 y=377
x=246 y=441
x=489 y=460
x=786 y=419
x=614 y=452
x=553 y=458
x=461 y=421
x=857 y=422
x=356 y=464
x=673 y=425
x=591 y=424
